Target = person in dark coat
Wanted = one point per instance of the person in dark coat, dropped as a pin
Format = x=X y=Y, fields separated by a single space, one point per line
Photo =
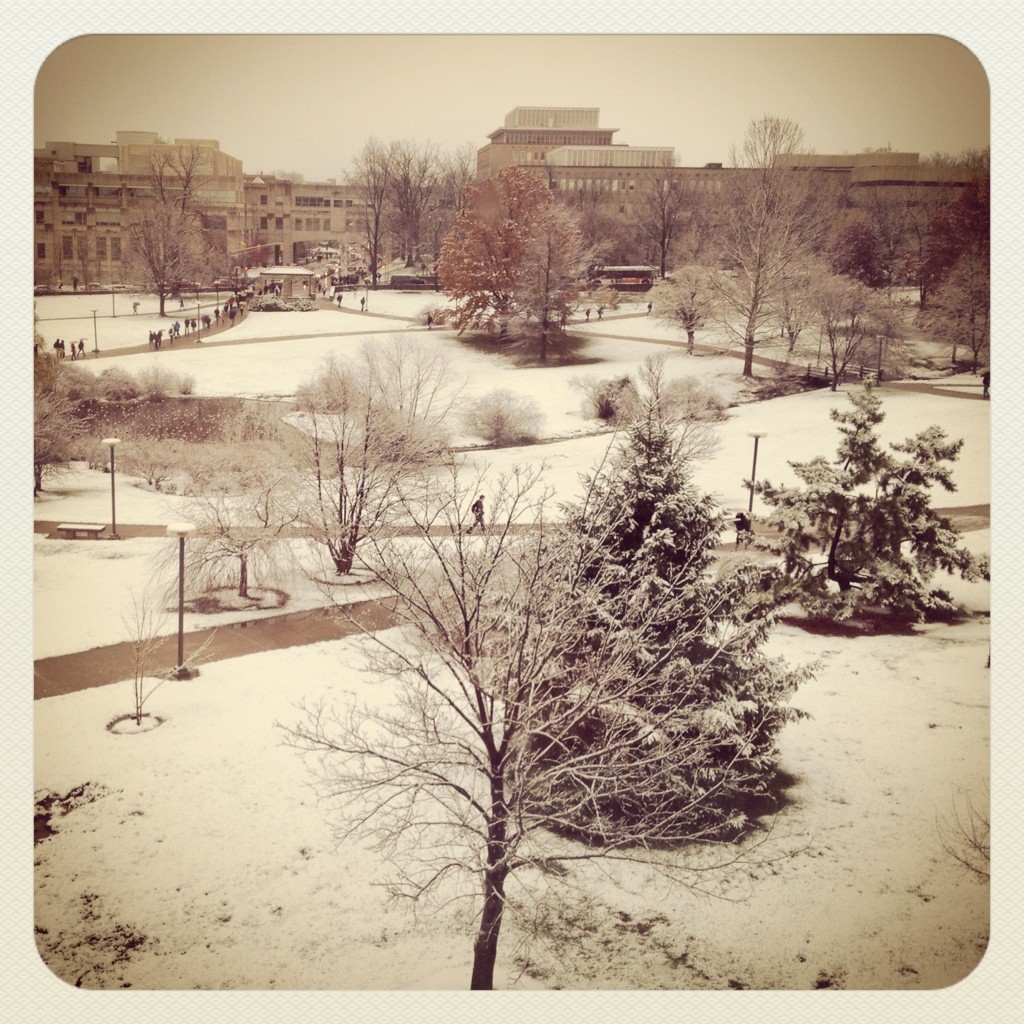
x=743 y=531
x=477 y=508
x=986 y=380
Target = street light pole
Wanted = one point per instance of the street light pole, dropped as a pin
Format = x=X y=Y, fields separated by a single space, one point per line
x=181 y=531
x=753 y=470
x=95 y=337
x=113 y=442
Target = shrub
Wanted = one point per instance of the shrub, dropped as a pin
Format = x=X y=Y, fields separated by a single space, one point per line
x=186 y=384
x=613 y=400
x=155 y=461
x=156 y=382
x=689 y=399
x=503 y=418
x=118 y=385
x=276 y=304
x=78 y=384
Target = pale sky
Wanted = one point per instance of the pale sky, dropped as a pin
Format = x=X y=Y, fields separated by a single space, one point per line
x=308 y=103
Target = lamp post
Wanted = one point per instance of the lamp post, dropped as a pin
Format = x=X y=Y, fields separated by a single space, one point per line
x=181 y=531
x=113 y=442
x=95 y=337
x=753 y=469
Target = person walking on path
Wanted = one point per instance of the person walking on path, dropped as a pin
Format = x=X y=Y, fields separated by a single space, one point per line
x=743 y=531
x=362 y=304
x=586 y=313
x=477 y=508
x=650 y=306
x=986 y=380
x=81 y=348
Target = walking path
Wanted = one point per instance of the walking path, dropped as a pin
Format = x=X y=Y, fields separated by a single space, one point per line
x=99 y=666
x=102 y=665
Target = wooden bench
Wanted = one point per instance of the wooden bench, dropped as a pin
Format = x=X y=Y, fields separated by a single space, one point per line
x=72 y=531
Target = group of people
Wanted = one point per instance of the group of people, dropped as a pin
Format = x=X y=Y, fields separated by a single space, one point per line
x=77 y=351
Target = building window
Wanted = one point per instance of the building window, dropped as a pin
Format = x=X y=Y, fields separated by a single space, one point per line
x=279 y=223
x=40 y=250
x=65 y=248
x=263 y=200
x=109 y=218
x=39 y=216
x=115 y=248
x=72 y=216
x=82 y=247
x=73 y=190
x=101 y=248
x=263 y=223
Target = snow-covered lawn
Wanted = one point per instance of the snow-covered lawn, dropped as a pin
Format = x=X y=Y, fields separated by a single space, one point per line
x=198 y=857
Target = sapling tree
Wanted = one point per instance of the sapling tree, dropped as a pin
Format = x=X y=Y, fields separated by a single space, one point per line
x=143 y=628
x=859 y=530
x=571 y=692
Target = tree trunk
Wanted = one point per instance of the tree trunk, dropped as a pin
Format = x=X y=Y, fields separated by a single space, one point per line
x=343 y=555
x=748 y=357
x=243 y=576
x=689 y=341
x=485 y=948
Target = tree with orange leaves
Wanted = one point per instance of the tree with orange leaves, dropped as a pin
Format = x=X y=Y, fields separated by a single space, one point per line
x=513 y=254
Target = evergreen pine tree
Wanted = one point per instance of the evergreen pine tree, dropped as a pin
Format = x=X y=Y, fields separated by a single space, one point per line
x=868 y=514
x=647 y=536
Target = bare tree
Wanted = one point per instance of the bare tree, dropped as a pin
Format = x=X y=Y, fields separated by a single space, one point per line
x=241 y=521
x=167 y=245
x=143 y=633
x=372 y=177
x=663 y=207
x=960 y=308
x=686 y=301
x=363 y=426
x=849 y=315
x=774 y=219
x=543 y=716
x=457 y=170
x=415 y=170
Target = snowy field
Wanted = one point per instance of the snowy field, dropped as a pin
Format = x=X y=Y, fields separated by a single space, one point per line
x=199 y=858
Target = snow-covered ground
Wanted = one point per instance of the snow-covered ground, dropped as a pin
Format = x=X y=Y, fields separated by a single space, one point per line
x=200 y=859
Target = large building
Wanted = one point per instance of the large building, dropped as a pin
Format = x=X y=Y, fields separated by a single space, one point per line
x=569 y=147
x=86 y=194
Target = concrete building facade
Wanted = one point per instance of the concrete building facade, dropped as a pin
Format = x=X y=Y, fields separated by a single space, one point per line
x=86 y=193
x=575 y=154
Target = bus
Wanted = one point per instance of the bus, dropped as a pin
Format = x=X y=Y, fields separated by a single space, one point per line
x=623 y=279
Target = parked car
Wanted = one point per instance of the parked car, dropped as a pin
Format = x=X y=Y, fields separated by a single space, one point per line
x=223 y=284
x=94 y=286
